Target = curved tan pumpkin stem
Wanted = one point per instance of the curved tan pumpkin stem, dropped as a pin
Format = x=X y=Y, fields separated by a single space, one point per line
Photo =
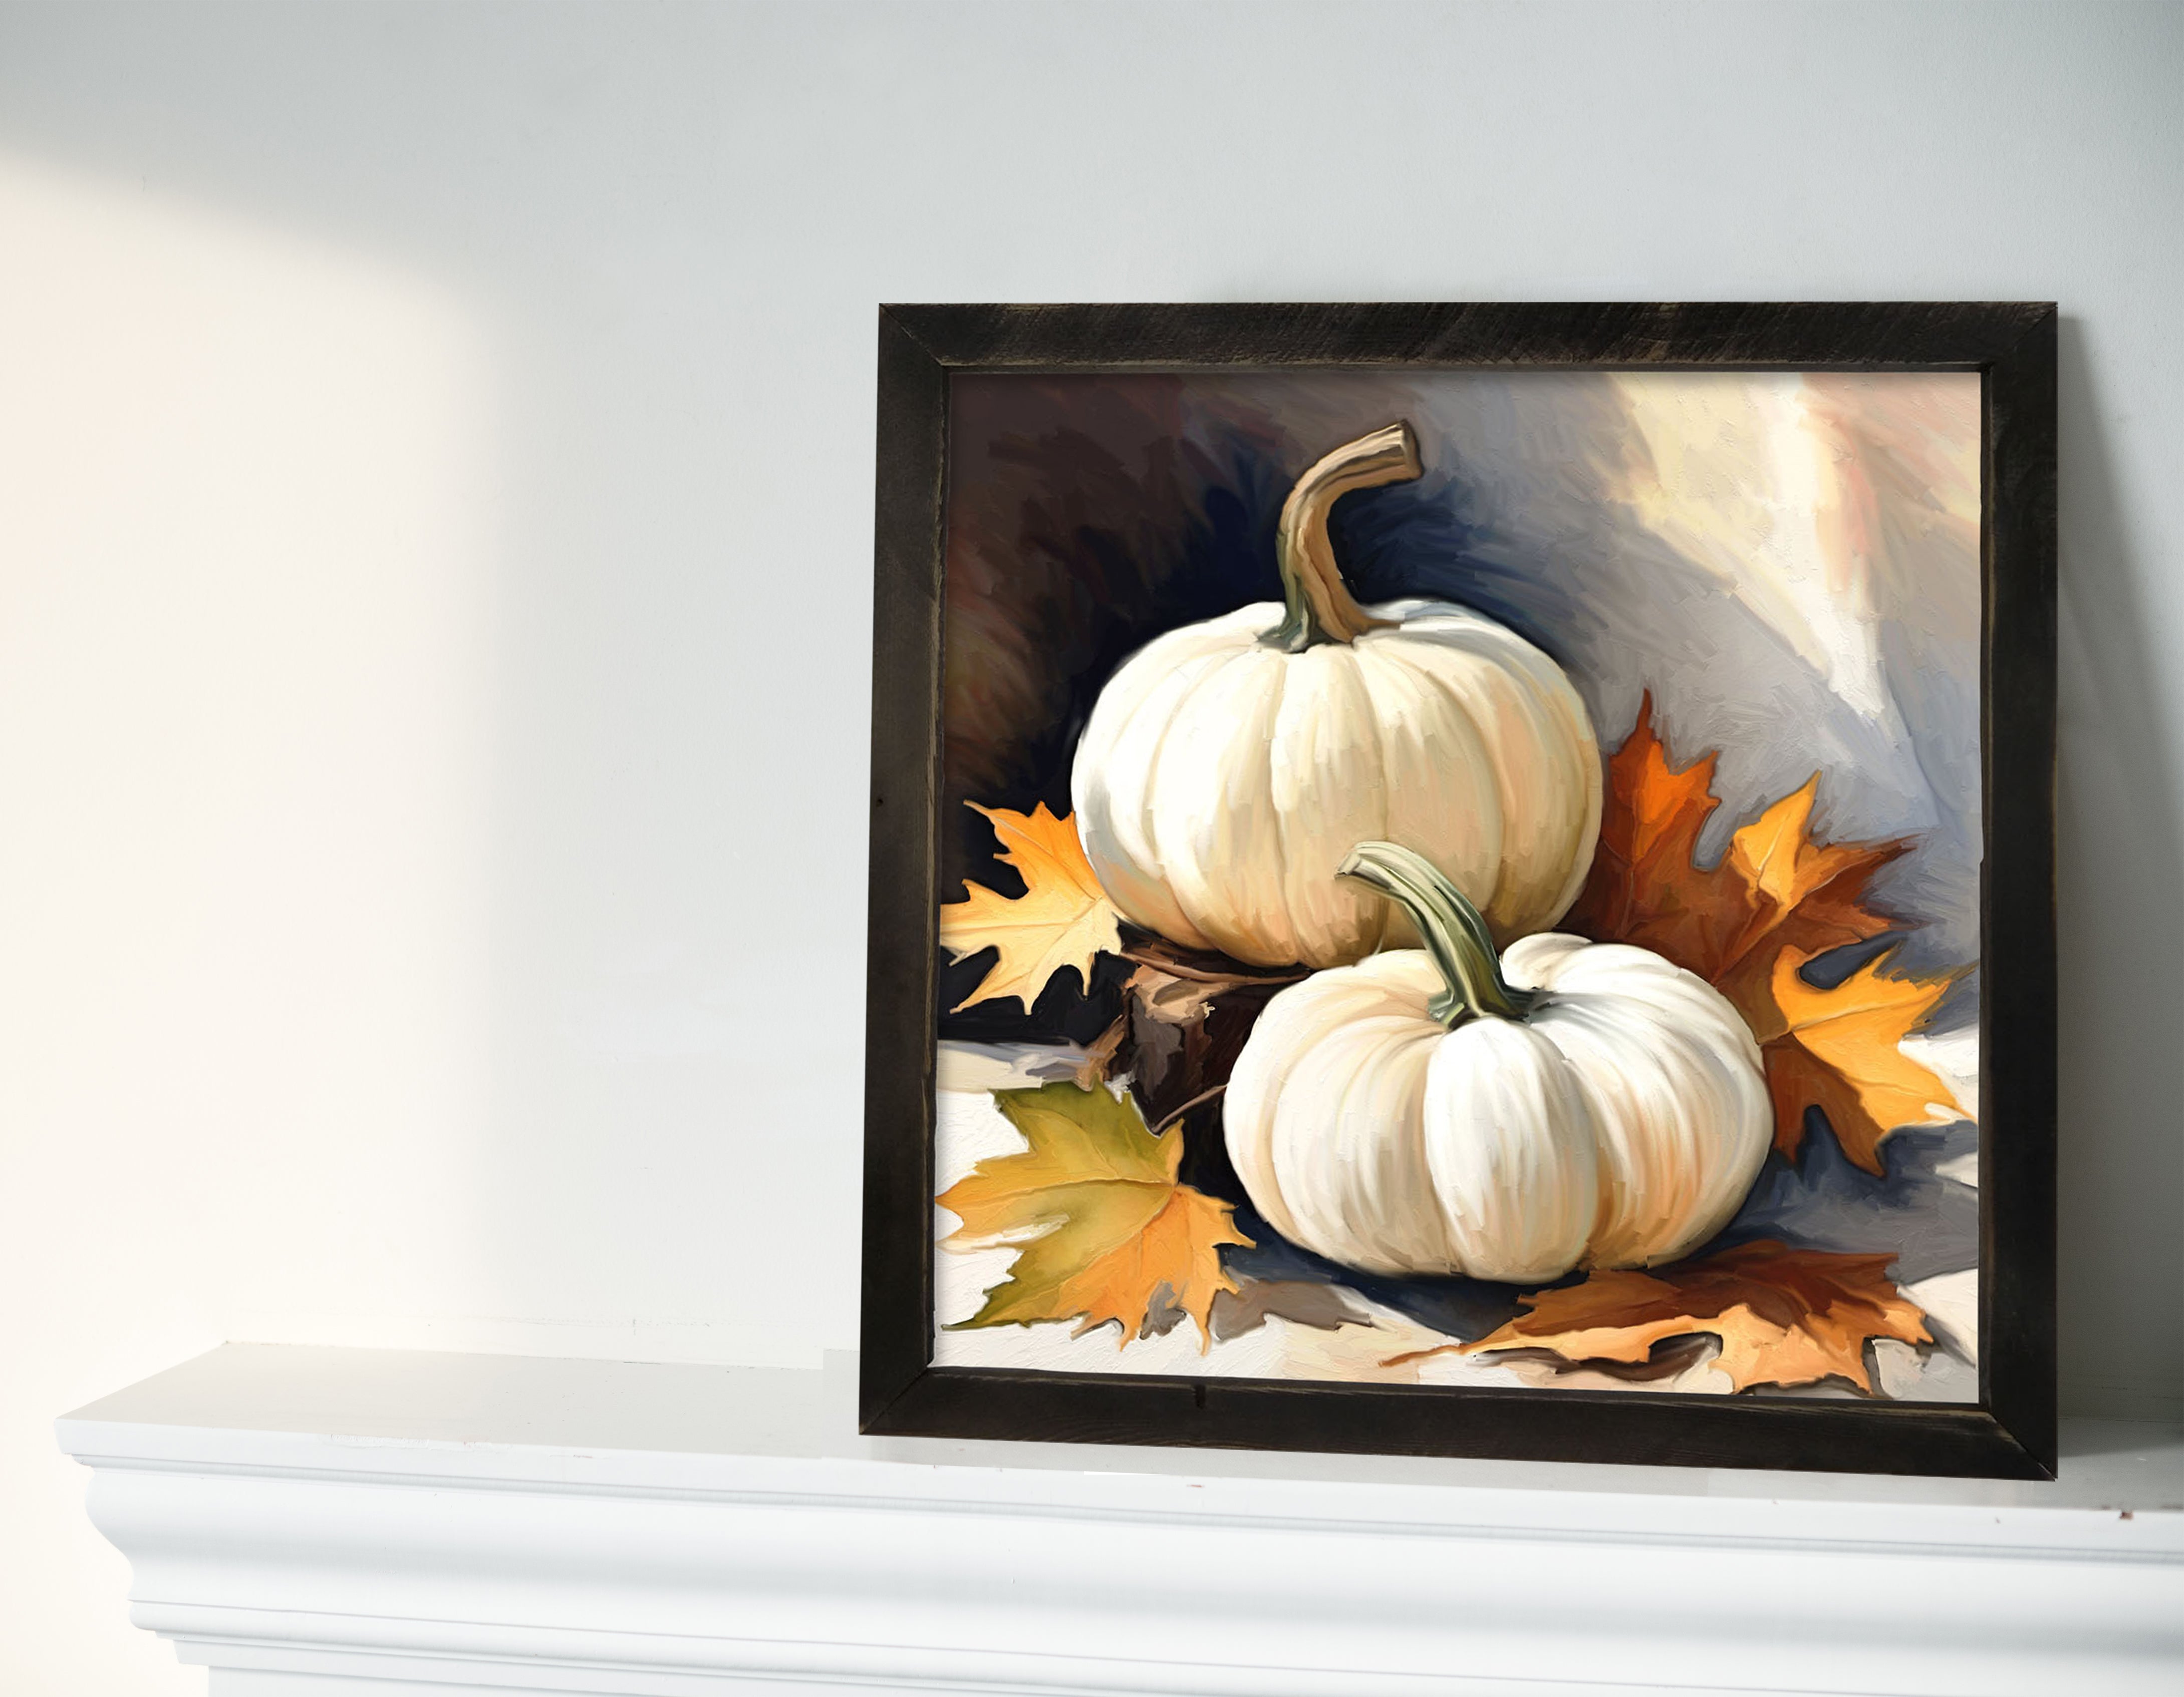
x=1454 y=931
x=1321 y=608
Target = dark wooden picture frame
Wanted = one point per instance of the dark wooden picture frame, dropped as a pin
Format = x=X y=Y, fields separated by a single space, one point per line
x=2011 y=1431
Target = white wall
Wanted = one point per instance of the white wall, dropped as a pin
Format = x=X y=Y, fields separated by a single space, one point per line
x=435 y=457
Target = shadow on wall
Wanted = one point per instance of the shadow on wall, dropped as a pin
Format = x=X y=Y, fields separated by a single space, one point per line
x=2121 y=921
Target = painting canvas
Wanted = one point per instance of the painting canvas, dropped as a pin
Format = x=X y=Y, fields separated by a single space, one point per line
x=1462 y=878
x=1684 y=666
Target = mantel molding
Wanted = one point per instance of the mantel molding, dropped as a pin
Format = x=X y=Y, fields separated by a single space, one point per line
x=354 y=1523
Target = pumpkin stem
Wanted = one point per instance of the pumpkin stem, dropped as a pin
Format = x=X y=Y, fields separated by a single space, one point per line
x=1454 y=932
x=1321 y=609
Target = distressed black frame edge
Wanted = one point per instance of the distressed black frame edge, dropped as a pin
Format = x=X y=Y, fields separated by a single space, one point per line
x=2012 y=1432
x=1626 y=1428
x=896 y=1271
x=1810 y=335
x=2017 y=1069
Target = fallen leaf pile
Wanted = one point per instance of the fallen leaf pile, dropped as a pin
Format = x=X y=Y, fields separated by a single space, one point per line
x=1063 y=919
x=1750 y=925
x=1103 y=1229
x=1784 y=1317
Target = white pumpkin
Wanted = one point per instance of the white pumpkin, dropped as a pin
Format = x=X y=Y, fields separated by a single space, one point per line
x=1435 y=1111
x=1228 y=765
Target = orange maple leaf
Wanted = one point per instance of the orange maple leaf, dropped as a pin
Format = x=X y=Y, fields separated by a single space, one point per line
x=1063 y=919
x=1775 y=896
x=1102 y=1228
x=1792 y=894
x=1843 y=1049
x=1639 y=890
x=1784 y=1317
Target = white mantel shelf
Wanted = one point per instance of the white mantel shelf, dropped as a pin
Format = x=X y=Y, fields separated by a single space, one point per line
x=376 y=1523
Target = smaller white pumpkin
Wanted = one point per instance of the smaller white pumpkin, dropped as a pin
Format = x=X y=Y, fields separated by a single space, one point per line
x=1438 y=1112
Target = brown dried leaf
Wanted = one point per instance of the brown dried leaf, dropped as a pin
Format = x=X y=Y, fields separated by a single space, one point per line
x=1642 y=888
x=1784 y=1317
x=1189 y=1011
x=1098 y=1065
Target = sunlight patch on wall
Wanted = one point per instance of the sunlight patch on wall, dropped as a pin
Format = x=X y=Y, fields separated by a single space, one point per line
x=247 y=517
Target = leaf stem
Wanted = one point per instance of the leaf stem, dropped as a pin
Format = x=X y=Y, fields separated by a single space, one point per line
x=1455 y=933
x=1176 y=969
x=1177 y=1112
x=1321 y=609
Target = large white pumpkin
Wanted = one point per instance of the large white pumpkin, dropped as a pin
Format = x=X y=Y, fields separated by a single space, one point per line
x=1228 y=766
x=1429 y=1112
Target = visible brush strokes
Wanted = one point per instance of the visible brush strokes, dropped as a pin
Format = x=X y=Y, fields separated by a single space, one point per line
x=1107 y=1233
x=1063 y=920
x=1760 y=926
x=1221 y=780
x=1207 y=633
x=1784 y=1317
x=1611 y=1111
x=1228 y=765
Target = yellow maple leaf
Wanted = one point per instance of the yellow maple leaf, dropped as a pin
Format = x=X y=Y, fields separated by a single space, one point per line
x=1063 y=919
x=1794 y=893
x=1101 y=1227
x=1784 y=1317
x=1843 y=1049
x=1777 y=859
x=1776 y=897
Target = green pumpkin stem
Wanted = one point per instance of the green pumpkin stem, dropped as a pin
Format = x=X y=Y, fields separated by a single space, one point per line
x=1455 y=933
x=1321 y=609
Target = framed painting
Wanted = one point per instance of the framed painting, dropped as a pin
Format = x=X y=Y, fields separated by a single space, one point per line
x=1466 y=880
